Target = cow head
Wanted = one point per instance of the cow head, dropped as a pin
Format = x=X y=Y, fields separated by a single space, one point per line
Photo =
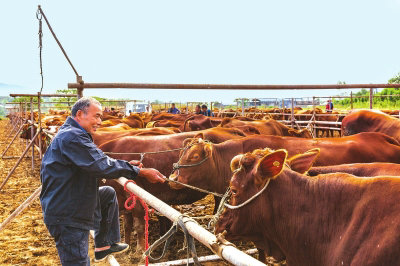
x=194 y=162
x=302 y=133
x=252 y=172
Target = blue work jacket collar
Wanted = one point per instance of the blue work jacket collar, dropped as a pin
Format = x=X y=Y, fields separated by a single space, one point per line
x=71 y=122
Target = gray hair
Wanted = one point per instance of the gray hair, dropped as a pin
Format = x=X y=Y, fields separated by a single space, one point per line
x=83 y=104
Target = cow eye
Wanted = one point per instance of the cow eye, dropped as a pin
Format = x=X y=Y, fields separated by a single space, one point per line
x=196 y=156
x=234 y=191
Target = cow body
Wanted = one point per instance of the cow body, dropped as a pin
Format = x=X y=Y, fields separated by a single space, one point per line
x=267 y=127
x=371 y=121
x=214 y=173
x=100 y=137
x=359 y=169
x=333 y=219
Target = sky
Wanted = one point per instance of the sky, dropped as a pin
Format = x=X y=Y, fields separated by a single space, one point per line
x=204 y=42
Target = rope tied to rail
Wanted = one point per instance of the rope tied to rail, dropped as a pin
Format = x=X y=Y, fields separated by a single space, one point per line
x=40 y=33
x=167 y=239
x=132 y=199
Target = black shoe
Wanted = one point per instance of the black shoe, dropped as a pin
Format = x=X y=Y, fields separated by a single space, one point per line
x=114 y=249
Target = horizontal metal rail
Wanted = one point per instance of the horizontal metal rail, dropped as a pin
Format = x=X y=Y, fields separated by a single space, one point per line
x=201 y=259
x=226 y=86
x=227 y=252
x=42 y=95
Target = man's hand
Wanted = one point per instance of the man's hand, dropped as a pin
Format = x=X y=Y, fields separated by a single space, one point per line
x=152 y=175
x=136 y=163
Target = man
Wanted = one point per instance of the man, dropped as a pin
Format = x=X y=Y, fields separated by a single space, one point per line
x=72 y=203
x=173 y=109
x=329 y=106
x=205 y=111
x=197 y=110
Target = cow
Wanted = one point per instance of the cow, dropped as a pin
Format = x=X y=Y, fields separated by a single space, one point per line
x=358 y=169
x=169 y=116
x=200 y=122
x=101 y=137
x=370 y=121
x=117 y=127
x=160 y=152
x=267 y=127
x=332 y=219
x=214 y=172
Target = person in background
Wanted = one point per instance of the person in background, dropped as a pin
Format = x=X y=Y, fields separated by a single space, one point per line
x=197 y=110
x=205 y=111
x=72 y=202
x=173 y=109
x=329 y=106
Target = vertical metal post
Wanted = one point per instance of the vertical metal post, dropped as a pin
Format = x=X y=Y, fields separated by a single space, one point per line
x=242 y=106
x=80 y=89
x=314 y=118
x=40 y=126
x=351 y=100
x=26 y=118
x=292 y=114
x=371 y=97
x=32 y=125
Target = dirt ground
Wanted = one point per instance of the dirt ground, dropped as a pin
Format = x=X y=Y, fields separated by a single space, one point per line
x=26 y=241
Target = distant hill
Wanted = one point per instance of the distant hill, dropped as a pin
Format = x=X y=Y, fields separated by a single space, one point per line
x=7 y=89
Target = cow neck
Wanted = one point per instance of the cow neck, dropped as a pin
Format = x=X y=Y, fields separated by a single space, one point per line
x=307 y=213
x=222 y=155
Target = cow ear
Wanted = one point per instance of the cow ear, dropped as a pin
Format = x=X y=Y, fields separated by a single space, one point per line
x=270 y=166
x=187 y=141
x=208 y=149
x=235 y=162
x=199 y=136
x=301 y=163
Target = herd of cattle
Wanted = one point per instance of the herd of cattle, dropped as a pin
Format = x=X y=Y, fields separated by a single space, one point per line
x=327 y=201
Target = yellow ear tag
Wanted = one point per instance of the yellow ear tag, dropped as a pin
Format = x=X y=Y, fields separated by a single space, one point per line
x=276 y=164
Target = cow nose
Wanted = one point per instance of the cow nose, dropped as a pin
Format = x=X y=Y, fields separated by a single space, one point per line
x=173 y=185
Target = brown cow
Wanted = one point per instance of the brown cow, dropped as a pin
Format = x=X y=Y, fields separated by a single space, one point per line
x=267 y=127
x=101 y=137
x=333 y=219
x=133 y=120
x=160 y=152
x=169 y=116
x=358 y=169
x=117 y=127
x=371 y=121
x=200 y=122
x=213 y=174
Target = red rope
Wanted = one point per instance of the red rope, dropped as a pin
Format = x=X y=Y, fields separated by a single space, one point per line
x=132 y=198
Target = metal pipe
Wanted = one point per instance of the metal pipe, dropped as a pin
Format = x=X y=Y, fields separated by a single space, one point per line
x=226 y=86
x=19 y=160
x=12 y=141
x=229 y=253
x=22 y=207
x=201 y=259
x=42 y=95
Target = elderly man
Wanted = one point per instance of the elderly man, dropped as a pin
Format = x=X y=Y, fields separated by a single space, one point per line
x=72 y=203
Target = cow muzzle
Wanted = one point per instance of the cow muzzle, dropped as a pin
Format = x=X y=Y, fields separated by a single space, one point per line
x=174 y=177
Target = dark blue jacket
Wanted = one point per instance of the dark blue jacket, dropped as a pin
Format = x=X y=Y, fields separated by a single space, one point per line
x=69 y=172
x=174 y=111
x=207 y=113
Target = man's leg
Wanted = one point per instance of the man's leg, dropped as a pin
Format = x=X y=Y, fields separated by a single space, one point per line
x=72 y=244
x=108 y=234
